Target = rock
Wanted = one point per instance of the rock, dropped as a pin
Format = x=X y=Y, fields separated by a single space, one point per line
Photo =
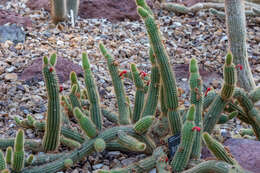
x=153 y=170
x=98 y=166
x=14 y=18
x=63 y=69
x=128 y=161
x=13 y=33
x=109 y=9
x=245 y=151
x=11 y=77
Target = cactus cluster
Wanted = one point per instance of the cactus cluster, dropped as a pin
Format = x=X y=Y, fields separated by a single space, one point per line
x=134 y=127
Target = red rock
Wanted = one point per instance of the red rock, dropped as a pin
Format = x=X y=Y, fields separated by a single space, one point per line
x=12 y=17
x=63 y=69
x=113 y=10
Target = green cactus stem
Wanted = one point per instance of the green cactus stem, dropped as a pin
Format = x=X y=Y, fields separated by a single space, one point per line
x=74 y=80
x=68 y=163
x=216 y=167
x=100 y=145
x=209 y=98
x=139 y=95
x=86 y=148
x=142 y=3
x=225 y=118
x=255 y=95
x=219 y=103
x=29 y=144
x=123 y=107
x=110 y=115
x=130 y=142
x=8 y=155
x=69 y=142
x=218 y=149
x=53 y=127
x=2 y=161
x=95 y=112
x=164 y=109
x=166 y=72
x=244 y=132
x=154 y=88
x=29 y=159
x=74 y=6
x=161 y=164
x=143 y=125
x=42 y=159
x=58 y=10
x=85 y=123
x=182 y=156
x=18 y=154
x=196 y=98
x=74 y=97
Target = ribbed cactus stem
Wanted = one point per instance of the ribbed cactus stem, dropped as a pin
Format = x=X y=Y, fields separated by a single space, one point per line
x=130 y=142
x=123 y=107
x=154 y=88
x=85 y=123
x=69 y=142
x=74 y=80
x=139 y=95
x=18 y=154
x=29 y=159
x=8 y=155
x=2 y=161
x=100 y=145
x=68 y=163
x=143 y=125
x=218 y=149
x=95 y=112
x=255 y=95
x=58 y=10
x=142 y=3
x=167 y=74
x=219 y=103
x=74 y=6
x=236 y=30
x=182 y=156
x=53 y=127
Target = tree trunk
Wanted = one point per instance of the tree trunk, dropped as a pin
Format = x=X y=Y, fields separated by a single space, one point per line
x=236 y=30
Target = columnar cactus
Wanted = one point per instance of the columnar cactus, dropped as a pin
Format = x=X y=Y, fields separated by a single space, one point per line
x=53 y=126
x=18 y=154
x=58 y=10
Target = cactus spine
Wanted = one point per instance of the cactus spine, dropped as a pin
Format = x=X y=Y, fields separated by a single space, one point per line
x=123 y=107
x=93 y=96
x=181 y=158
x=53 y=127
x=18 y=154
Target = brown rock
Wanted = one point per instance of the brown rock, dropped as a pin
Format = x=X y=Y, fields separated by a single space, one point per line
x=12 y=17
x=63 y=69
x=110 y=9
x=11 y=77
x=245 y=151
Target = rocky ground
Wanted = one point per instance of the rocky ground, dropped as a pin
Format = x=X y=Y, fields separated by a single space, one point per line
x=22 y=90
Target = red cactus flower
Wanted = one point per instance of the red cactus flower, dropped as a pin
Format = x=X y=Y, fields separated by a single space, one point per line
x=61 y=89
x=143 y=74
x=206 y=93
x=122 y=73
x=148 y=83
x=239 y=66
x=196 y=128
x=166 y=159
x=50 y=69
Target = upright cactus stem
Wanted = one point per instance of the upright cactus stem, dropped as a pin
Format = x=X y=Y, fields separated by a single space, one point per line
x=167 y=74
x=2 y=161
x=58 y=10
x=18 y=154
x=73 y=5
x=196 y=98
x=53 y=127
x=123 y=107
x=154 y=88
x=182 y=156
x=139 y=95
x=8 y=155
x=95 y=112
x=219 y=103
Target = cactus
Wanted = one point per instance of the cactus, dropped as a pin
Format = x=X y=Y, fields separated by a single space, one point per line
x=8 y=156
x=18 y=154
x=68 y=163
x=100 y=145
x=2 y=161
x=218 y=150
x=69 y=142
x=123 y=107
x=196 y=98
x=58 y=10
x=181 y=158
x=73 y=5
x=142 y=126
x=29 y=159
x=129 y=142
x=93 y=96
x=53 y=127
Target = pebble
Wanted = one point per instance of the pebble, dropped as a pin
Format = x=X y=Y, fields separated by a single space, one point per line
x=11 y=77
x=98 y=166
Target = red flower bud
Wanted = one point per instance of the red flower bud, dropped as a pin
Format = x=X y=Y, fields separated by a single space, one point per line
x=196 y=128
x=206 y=93
x=61 y=89
x=239 y=66
x=148 y=83
x=143 y=74
x=122 y=73
x=166 y=159
x=50 y=69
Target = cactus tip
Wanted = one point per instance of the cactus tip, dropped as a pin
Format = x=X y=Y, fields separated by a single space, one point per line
x=193 y=65
x=229 y=58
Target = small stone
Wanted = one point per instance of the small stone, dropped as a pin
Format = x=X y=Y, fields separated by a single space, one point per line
x=11 y=77
x=10 y=69
x=98 y=166
x=153 y=170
